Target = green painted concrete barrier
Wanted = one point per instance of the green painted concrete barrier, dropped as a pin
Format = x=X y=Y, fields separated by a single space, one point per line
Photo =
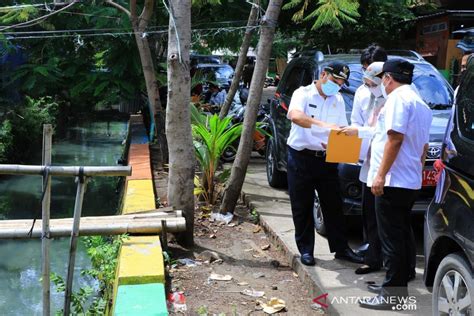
x=141 y=300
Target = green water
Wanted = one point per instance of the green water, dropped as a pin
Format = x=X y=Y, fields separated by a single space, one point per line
x=87 y=144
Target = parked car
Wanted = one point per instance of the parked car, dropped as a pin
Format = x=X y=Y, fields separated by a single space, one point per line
x=449 y=221
x=203 y=59
x=303 y=70
x=220 y=73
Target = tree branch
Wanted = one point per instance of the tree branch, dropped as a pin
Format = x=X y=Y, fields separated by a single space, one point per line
x=146 y=14
x=118 y=6
x=133 y=9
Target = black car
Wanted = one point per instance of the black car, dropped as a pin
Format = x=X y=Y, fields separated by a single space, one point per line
x=219 y=73
x=302 y=70
x=449 y=221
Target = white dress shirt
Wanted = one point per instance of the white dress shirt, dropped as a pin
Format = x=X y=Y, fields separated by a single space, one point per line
x=406 y=113
x=360 y=117
x=363 y=107
x=331 y=109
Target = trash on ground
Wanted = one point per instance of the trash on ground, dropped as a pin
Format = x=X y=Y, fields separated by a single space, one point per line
x=212 y=236
x=257 y=275
x=265 y=247
x=188 y=262
x=177 y=302
x=252 y=293
x=257 y=229
x=220 y=277
x=242 y=283
x=318 y=308
x=226 y=218
x=274 y=305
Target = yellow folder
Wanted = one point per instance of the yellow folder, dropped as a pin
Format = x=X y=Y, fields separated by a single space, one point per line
x=342 y=148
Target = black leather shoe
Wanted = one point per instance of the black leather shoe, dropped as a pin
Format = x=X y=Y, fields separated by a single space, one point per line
x=349 y=255
x=307 y=259
x=378 y=302
x=374 y=288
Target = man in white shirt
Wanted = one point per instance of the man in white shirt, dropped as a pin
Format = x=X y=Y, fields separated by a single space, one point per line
x=318 y=106
x=398 y=153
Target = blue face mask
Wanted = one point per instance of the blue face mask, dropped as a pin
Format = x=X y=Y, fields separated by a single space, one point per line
x=330 y=88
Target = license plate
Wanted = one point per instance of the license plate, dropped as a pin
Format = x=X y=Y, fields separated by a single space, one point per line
x=429 y=178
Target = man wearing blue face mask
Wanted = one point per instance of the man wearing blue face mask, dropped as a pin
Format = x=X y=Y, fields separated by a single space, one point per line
x=313 y=111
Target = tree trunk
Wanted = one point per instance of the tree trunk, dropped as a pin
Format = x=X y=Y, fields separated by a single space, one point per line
x=139 y=25
x=239 y=168
x=156 y=109
x=178 y=116
x=252 y=21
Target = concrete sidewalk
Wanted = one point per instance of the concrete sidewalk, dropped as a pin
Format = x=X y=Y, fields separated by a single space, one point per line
x=335 y=277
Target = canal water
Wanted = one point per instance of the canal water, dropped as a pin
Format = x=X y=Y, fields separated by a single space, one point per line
x=96 y=143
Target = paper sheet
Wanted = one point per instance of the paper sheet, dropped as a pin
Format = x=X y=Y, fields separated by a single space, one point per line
x=342 y=148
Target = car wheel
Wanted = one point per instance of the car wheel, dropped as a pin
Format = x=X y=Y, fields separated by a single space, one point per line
x=453 y=289
x=318 y=216
x=229 y=154
x=275 y=177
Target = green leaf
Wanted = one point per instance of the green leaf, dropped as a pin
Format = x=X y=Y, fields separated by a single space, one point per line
x=100 y=88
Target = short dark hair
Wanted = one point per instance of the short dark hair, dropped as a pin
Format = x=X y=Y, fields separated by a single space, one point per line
x=373 y=53
x=400 y=78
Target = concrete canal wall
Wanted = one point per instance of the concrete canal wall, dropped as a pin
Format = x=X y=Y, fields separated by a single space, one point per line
x=140 y=278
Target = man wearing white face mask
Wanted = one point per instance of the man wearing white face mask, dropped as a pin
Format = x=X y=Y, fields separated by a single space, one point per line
x=318 y=105
x=365 y=130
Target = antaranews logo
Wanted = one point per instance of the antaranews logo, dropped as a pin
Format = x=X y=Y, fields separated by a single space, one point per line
x=407 y=303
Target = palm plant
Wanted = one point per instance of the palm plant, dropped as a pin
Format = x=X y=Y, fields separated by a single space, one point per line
x=211 y=137
x=328 y=12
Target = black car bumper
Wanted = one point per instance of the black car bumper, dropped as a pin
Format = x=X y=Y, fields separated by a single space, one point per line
x=351 y=190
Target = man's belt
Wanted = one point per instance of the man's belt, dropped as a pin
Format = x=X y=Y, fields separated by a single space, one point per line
x=316 y=153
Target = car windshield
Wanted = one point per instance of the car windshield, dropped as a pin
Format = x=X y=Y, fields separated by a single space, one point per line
x=217 y=72
x=432 y=87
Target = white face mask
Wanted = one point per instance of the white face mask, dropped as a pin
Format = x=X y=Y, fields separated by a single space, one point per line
x=376 y=91
x=384 y=91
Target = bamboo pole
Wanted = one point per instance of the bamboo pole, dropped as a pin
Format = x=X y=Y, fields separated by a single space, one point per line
x=20 y=229
x=81 y=189
x=46 y=203
x=66 y=170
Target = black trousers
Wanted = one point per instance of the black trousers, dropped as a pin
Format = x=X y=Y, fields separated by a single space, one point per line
x=373 y=255
x=393 y=210
x=305 y=175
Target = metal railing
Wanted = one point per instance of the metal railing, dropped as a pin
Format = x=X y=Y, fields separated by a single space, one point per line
x=47 y=171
